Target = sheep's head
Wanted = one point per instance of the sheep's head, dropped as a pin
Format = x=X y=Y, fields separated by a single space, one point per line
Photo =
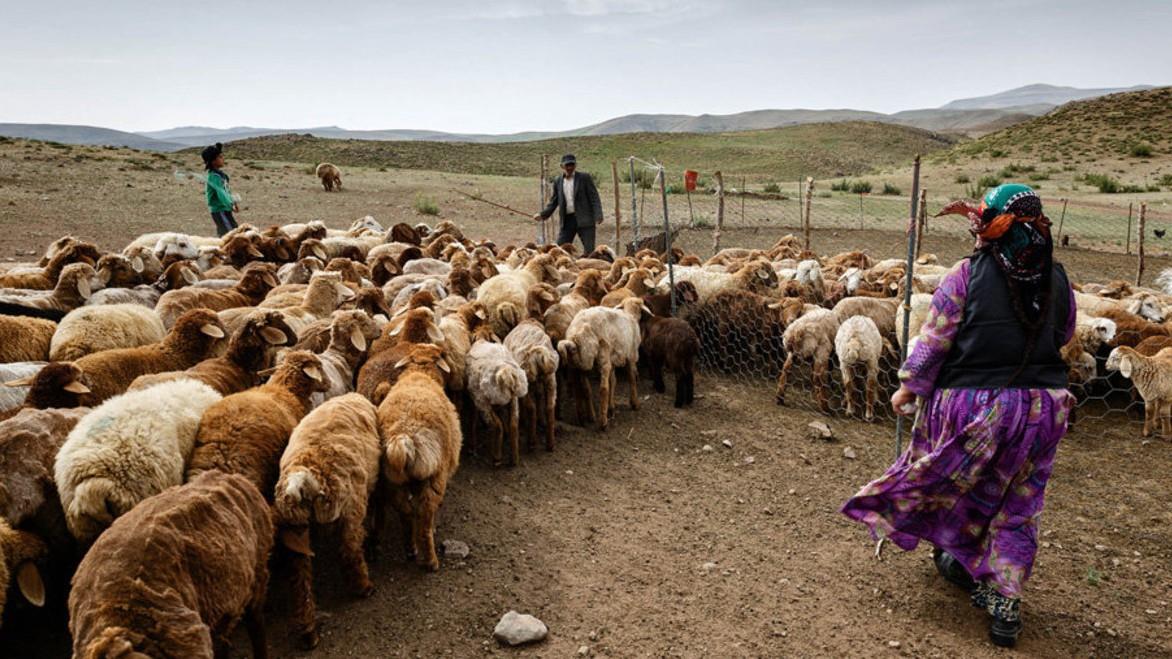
x=404 y=233
x=460 y=282
x=268 y=326
x=176 y=246
x=76 y=252
x=474 y=314
x=54 y=247
x=240 y=250
x=686 y=293
x=428 y=359
x=328 y=286
x=384 y=268
x=257 y=279
x=408 y=255
x=352 y=329
x=313 y=247
x=19 y=551
x=78 y=281
x=365 y=225
x=484 y=269
x=1147 y=306
x=619 y=269
x=761 y=275
x=1115 y=360
x=301 y=372
x=280 y=248
x=589 y=285
x=58 y=384
x=195 y=331
x=179 y=274
x=117 y=270
x=540 y=298
x=372 y=301
x=417 y=326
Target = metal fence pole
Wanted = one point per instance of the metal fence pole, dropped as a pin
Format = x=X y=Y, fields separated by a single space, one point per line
x=806 y=213
x=907 y=293
x=1139 y=244
x=634 y=208
x=719 y=212
x=744 y=186
x=618 y=208
x=671 y=275
x=541 y=232
x=921 y=220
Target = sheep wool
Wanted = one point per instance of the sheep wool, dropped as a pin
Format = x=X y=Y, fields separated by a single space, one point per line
x=91 y=329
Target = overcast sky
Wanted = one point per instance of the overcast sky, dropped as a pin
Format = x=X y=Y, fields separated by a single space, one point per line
x=513 y=65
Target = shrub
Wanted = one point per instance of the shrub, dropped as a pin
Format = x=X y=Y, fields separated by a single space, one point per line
x=1103 y=182
x=825 y=194
x=675 y=188
x=861 y=187
x=1166 y=180
x=425 y=205
x=988 y=181
x=1152 y=187
x=891 y=189
x=643 y=177
x=1141 y=150
x=1131 y=189
x=962 y=178
x=842 y=186
x=1039 y=176
x=772 y=188
x=996 y=153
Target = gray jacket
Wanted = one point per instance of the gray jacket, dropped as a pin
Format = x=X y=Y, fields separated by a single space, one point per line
x=587 y=205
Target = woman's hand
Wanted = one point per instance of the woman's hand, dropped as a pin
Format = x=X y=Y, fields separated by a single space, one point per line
x=903 y=402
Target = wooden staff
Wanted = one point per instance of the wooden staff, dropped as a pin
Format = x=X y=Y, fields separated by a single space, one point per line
x=492 y=203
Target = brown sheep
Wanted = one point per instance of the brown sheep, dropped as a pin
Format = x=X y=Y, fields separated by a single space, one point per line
x=330 y=175
x=25 y=339
x=257 y=280
x=248 y=354
x=75 y=285
x=637 y=283
x=57 y=385
x=245 y=433
x=660 y=303
x=379 y=373
x=540 y=298
x=109 y=372
x=328 y=473
x=421 y=448
x=46 y=278
x=173 y=577
x=404 y=233
x=671 y=343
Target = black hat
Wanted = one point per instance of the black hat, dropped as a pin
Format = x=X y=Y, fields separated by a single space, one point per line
x=568 y=159
x=209 y=153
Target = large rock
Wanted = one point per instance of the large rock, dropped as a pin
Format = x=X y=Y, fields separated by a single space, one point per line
x=519 y=628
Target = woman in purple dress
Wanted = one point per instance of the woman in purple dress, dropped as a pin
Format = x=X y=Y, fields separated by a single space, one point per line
x=993 y=406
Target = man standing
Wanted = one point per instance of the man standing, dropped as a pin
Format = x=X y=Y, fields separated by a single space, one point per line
x=578 y=205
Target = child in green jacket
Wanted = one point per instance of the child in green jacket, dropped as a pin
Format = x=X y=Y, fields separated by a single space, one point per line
x=220 y=201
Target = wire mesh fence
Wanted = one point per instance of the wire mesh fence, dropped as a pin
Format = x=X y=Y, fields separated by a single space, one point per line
x=820 y=323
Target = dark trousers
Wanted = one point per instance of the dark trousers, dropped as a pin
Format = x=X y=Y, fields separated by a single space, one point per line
x=224 y=222
x=570 y=229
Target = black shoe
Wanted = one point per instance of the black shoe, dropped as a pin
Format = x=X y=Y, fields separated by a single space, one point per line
x=1004 y=633
x=952 y=570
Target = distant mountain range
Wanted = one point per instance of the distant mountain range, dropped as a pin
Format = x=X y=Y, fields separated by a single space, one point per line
x=969 y=116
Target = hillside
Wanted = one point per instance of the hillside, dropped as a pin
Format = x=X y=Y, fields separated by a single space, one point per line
x=1034 y=95
x=87 y=135
x=831 y=149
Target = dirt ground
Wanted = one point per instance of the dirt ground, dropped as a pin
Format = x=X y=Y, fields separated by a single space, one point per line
x=639 y=542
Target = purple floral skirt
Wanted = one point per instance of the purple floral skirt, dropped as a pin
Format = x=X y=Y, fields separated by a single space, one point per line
x=973 y=480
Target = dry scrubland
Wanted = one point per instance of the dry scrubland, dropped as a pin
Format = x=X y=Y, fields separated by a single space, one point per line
x=607 y=538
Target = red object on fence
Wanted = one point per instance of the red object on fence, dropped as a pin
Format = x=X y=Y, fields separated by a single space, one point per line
x=690 y=180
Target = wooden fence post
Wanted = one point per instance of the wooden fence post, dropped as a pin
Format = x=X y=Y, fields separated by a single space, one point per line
x=806 y=212
x=1143 y=212
x=744 y=184
x=618 y=209
x=1062 y=219
x=921 y=221
x=719 y=212
x=1128 y=248
x=543 y=237
x=688 y=193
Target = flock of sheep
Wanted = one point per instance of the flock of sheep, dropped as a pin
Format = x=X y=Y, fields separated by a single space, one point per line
x=177 y=411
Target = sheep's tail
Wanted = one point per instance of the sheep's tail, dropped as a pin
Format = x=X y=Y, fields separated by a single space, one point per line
x=566 y=350
x=113 y=642
x=509 y=315
x=96 y=503
x=850 y=353
x=413 y=457
x=512 y=380
x=1164 y=281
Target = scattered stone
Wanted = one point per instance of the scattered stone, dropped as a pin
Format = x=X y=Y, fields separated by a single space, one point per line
x=708 y=567
x=1150 y=612
x=792 y=491
x=569 y=472
x=1100 y=547
x=893 y=644
x=455 y=549
x=750 y=460
x=517 y=629
x=709 y=433
x=707 y=448
x=849 y=453
x=819 y=430
x=593 y=636
x=583 y=650
x=726 y=443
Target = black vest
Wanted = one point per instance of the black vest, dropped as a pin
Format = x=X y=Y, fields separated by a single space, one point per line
x=989 y=347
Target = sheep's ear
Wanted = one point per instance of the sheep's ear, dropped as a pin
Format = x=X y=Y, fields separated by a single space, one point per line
x=1125 y=366
x=76 y=387
x=481 y=314
x=402 y=362
x=274 y=336
x=28 y=578
x=443 y=366
x=83 y=288
x=320 y=253
x=267 y=372
x=212 y=331
x=189 y=276
x=282 y=253
x=762 y=274
x=357 y=339
x=313 y=372
x=104 y=276
x=255 y=252
x=137 y=264
x=435 y=335
x=297 y=541
x=22 y=382
x=647 y=310
x=397 y=330
x=270 y=279
x=344 y=291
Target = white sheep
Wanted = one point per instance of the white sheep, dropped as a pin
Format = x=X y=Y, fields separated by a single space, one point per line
x=921 y=305
x=495 y=380
x=535 y=353
x=505 y=295
x=859 y=343
x=130 y=447
x=810 y=337
x=755 y=276
x=600 y=339
x=91 y=329
x=1152 y=377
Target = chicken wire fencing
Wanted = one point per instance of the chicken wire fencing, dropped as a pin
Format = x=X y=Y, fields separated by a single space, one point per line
x=848 y=368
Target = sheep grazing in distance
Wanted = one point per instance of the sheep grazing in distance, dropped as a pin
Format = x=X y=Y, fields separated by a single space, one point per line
x=1152 y=377
x=25 y=339
x=421 y=448
x=87 y=330
x=249 y=352
x=328 y=474
x=496 y=381
x=504 y=296
x=108 y=373
x=601 y=338
x=245 y=433
x=810 y=337
x=858 y=343
x=533 y=350
x=174 y=576
x=255 y=282
x=76 y=284
x=671 y=343
x=129 y=448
